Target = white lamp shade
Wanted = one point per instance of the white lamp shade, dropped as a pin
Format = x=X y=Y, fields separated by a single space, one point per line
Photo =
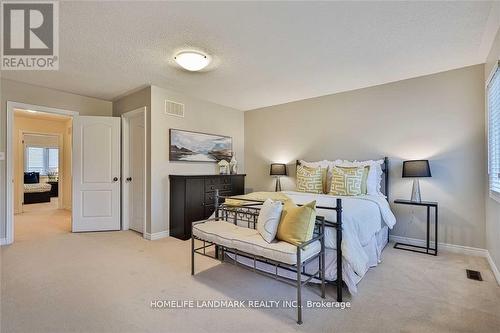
x=191 y=60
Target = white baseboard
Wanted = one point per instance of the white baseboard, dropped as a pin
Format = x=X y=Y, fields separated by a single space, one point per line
x=156 y=235
x=3 y=241
x=460 y=249
x=494 y=268
x=467 y=250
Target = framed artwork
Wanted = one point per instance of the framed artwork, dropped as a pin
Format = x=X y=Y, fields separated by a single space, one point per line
x=188 y=146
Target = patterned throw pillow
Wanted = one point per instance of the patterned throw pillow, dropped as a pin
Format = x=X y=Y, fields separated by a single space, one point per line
x=348 y=181
x=310 y=179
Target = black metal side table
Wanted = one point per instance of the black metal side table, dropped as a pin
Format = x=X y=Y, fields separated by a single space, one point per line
x=422 y=249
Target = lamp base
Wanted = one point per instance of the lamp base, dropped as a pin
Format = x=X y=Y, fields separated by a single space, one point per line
x=278 y=185
x=415 y=192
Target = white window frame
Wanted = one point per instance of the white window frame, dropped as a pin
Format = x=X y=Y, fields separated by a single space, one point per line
x=27 y=159
x=46 y=167
x=493 y=194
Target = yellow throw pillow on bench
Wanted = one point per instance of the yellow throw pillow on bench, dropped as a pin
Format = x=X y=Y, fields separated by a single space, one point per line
x=297 y=223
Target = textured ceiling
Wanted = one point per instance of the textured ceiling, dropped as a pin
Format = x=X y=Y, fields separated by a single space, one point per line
x=265 y=53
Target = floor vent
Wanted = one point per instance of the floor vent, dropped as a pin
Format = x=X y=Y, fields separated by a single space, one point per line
x=174 y=109
x=474 y=275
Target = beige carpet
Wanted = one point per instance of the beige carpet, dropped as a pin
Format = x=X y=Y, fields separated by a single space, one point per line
x=55 y=281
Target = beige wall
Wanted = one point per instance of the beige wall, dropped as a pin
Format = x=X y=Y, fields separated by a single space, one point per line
x=40 y=126
x=131 y=102
x=439 y=117
x=492 y=206
x=200 y=116
x=25 y=93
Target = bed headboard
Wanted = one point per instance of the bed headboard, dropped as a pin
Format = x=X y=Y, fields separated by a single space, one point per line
x=385 y=176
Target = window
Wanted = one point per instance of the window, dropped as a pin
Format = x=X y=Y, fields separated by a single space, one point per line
x=35 y=160
x=53 y=159
x=42 y=160
x=493 y=96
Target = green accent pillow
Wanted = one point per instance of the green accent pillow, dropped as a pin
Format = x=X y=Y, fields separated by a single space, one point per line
x=297 y=223
x=349 y=181
x=310 y=180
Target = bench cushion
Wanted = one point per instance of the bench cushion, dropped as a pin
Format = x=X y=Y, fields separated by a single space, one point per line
x=250 y=241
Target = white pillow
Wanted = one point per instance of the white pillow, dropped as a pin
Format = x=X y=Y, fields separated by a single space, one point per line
x=269 y=219
x=374 y=180
x=322 y=164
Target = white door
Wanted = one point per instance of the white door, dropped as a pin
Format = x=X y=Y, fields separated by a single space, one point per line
x=96 y=174
x=136 y=173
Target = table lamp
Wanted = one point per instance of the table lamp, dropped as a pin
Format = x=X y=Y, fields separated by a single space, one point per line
x=416 y=169
x=278 y=170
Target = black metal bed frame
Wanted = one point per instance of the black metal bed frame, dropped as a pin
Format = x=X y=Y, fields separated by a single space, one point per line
x=249 y=213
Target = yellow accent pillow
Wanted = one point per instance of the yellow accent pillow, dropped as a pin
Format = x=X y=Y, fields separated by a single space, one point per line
x=349 y=181
x=310 y=180
x=297 y=223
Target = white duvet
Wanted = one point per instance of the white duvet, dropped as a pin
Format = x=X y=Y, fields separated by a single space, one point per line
x=362 y=217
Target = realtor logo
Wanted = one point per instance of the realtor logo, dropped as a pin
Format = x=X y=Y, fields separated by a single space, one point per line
x=30 y=32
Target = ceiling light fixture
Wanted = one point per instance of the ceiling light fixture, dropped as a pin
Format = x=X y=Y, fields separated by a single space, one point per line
x=191 y=60
x=32 y=111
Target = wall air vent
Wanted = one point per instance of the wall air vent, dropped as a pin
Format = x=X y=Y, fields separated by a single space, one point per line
x=174 y=109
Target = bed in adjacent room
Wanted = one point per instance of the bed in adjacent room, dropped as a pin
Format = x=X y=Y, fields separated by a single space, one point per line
x=34 y=191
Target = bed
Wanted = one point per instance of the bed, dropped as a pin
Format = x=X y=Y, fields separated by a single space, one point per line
x=366 y=223
x=34 y=191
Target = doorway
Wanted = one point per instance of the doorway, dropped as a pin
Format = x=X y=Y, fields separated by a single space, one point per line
x=134 y=170
x=39 y=153
x=93 y=188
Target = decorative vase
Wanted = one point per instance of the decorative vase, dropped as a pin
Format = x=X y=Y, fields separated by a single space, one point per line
x=233 y=166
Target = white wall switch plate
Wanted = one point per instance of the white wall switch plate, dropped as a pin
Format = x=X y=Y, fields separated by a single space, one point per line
x=2 y=156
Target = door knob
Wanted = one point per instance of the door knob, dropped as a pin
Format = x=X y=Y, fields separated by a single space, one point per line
x=115 y=179
x=129 y=179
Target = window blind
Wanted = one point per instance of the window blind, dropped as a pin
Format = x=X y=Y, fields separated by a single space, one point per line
x=53 y=158
x=43 y=160
x=493 y=94
x=35 y=160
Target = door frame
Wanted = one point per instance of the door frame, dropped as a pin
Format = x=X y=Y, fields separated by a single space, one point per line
x=125 y=118
x=9 y=194
x=60 y=142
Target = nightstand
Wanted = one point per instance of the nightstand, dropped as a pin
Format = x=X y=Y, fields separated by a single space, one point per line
x=54 y=192
x=422 y=249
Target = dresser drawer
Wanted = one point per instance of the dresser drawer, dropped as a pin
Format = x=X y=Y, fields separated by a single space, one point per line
x=221 y=184
x=211 y=184
x=210 y=197
x=225 y=187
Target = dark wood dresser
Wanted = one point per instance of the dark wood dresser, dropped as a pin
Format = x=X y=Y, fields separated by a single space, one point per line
x=192 y=198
